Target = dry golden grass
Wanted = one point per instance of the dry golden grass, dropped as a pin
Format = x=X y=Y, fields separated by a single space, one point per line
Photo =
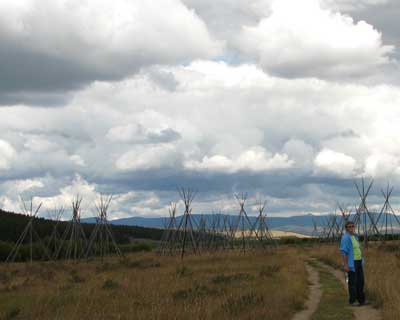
x=382 y=274
x=224 y=285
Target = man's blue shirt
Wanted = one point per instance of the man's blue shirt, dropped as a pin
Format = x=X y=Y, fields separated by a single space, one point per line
x=346 y=249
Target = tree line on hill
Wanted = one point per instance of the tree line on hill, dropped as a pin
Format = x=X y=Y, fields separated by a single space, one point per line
x=12 y=225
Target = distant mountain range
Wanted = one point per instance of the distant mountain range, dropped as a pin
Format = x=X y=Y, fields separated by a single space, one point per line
x=299 y=224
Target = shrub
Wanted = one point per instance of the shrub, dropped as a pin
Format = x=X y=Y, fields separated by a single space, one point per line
x=182 y=271
x=196 y=292
x=141 y=264
x=269 y=271
x=5 y=249
x=75 y=278
x=136 y=247
x=228 y=279
x=235 y=305
x=110 y=284
x=12 y=313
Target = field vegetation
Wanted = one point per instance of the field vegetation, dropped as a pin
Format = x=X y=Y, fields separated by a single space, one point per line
x=222 y=285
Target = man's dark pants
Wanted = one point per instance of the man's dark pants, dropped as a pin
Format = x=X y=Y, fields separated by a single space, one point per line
x=356 y=283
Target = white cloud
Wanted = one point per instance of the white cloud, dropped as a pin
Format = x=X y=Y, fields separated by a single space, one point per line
x=255 y=159
x=332 y=162
x=301 y=39
x=66 y=194
x=39 y=144
x=137 y=133
x=77 y=159
x=351 y=5
x=301 y=152
x=24 y=185
x=8 y=204
x=148 y=157
x=237 y=120
x=7 y=154
x=382 y=165
x=125 y=29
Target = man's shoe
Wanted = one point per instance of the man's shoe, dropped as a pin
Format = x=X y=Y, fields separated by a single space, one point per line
x=365 y=303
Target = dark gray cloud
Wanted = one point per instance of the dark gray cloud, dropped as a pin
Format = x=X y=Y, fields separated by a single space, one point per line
x=48 y=46
x=385 y=18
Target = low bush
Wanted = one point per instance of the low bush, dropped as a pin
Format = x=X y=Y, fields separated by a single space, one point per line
x=110 y=284
x=232 y=278
x=269 y=271
x=235 y=305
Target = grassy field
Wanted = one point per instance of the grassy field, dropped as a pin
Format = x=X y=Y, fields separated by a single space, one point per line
x=224 y=285
x=382 y=274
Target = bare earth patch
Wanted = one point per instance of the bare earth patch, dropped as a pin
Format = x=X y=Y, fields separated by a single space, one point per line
x=314 y=298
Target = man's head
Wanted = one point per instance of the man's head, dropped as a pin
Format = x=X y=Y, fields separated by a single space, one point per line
x=349 y=225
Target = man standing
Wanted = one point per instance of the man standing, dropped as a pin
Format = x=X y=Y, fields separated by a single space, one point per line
x=353 y=264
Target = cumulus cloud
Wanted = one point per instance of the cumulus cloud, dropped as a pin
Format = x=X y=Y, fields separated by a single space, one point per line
x=352 y=5
x=7 y=154
x=61 y=45
x=302 y=39
x=224 y=18
x=139 y=134
x=301 y=152
x=149 y=157
x=77 y=159
x=382 y=165
x=336 y=163
x=250 y=130
x=255 y=159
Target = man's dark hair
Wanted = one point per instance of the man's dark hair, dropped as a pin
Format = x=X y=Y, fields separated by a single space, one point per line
x=348 y=223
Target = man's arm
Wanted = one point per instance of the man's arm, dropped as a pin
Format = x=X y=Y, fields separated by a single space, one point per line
x=345 y=265
x=344 y=251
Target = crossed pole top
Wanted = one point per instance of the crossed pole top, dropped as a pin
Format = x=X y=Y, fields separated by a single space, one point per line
x=241 y=198
x=388 y=192
x=363 y=195
x=76 y=207
x=344 y=211
x=187 y=195
x=261 y=206
x=172 y=209
x=102 y=206
x=387 y=206
x=56 y=213
x=29 y=212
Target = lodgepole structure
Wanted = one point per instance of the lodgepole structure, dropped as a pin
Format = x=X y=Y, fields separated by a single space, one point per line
x=54 y=241
x=388 y=222
x=74 y=240
x=186 y=226
x=243 y=229
x=102 y=242
x=169 y=237
x=29 y=235
x=363 y=219
x=261 y=229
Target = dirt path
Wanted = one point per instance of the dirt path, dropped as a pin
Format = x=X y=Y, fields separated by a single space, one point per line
x=314 y=297
x=360 y=313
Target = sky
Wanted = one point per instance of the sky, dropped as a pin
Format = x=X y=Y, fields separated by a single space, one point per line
x=290 y=101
